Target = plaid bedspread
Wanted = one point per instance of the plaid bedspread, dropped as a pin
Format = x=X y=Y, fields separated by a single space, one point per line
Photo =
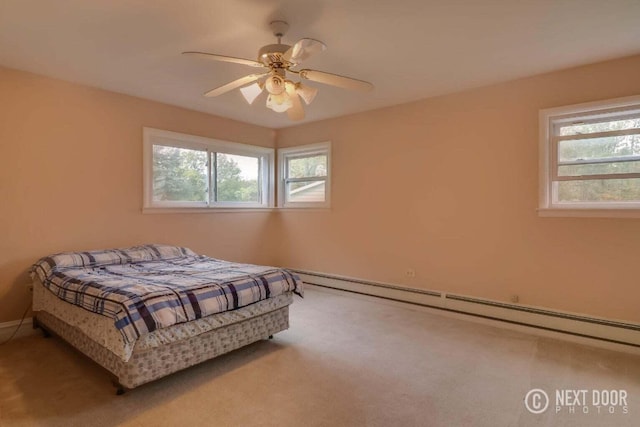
x=155 y=286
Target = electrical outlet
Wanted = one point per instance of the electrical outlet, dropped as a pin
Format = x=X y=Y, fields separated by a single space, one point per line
x=410 y=272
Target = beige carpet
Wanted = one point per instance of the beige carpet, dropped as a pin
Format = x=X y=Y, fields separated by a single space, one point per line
x=346 y=361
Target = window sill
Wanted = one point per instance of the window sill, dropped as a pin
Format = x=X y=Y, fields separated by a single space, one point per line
x=204 y=210
x=590 y=212
x=184 y=210
x=304 y=209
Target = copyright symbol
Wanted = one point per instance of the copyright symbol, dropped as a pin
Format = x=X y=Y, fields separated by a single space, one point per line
x=536 y=401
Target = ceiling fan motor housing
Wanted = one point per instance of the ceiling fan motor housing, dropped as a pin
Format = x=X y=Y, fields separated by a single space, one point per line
x=272 y=55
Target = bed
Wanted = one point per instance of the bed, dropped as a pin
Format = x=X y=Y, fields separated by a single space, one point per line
x=148 y=311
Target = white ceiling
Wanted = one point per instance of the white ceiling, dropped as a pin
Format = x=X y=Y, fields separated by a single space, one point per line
x=409 y=49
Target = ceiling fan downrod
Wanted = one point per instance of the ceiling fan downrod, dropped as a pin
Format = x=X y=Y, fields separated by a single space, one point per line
x=279 y=29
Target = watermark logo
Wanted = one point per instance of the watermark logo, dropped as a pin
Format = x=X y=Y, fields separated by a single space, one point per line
x=572 y=401
x=536 y=401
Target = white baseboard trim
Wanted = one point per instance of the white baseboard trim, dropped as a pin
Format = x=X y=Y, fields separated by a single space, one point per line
x=604 y=333
x=8 y=328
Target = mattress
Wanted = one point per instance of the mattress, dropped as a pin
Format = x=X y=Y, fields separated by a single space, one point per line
x=150 y=288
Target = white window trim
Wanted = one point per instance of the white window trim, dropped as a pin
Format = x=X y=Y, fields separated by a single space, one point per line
x=151 y=137
x=546 y=207
x=303 y=150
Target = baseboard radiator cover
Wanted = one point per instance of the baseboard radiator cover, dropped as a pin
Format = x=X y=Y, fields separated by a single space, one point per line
x=620 y=335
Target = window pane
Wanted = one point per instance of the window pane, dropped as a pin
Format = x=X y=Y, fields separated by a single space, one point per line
x=179 y=174
x=305 y=167
x=237 y=178
x=303 y=192
x=599 y=148
x=599 y=169
x=604 y=126
x=601 y=190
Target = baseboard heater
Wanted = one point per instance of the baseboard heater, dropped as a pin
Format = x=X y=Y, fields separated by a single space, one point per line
x=576 y=325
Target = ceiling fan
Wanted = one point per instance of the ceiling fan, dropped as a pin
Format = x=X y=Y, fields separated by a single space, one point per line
x=273 y=63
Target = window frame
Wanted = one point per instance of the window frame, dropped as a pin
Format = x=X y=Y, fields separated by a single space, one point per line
x=153 y=137
x=302 y=151
x=548 y=161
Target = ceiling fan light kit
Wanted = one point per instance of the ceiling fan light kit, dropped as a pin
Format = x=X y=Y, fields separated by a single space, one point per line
x=276 y=60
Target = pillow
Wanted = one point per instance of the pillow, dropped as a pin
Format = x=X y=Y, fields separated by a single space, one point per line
x=46 y=266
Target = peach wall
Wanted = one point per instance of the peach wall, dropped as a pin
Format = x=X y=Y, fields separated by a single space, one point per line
x=71 y=179
x=448 y=186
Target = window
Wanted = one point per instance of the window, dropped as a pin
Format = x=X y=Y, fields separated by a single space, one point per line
x=186 y=171
x=305 y=176
x=590 y=157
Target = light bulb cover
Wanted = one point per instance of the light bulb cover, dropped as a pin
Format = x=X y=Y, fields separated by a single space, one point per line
x=279 y=103
x=251 y=92
x=274 y=84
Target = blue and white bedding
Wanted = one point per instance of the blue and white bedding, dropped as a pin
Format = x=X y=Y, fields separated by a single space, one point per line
x=148 y=287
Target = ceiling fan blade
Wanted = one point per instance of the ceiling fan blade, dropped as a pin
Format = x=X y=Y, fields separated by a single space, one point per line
x=242 y=81
x=225 y=58
x=303 y=49
x=296 y=111
x=336 y=80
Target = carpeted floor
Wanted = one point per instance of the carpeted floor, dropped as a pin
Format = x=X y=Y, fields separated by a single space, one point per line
x=346 y=361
